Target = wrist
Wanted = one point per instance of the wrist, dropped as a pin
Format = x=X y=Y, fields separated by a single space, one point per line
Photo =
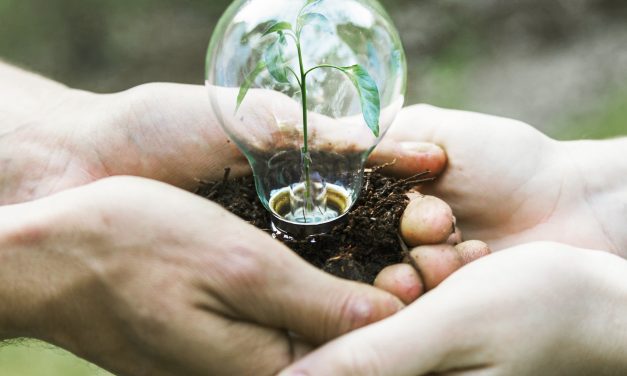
x=24 y=96
x=48 y=155
x=44 y=266
x=23 y=229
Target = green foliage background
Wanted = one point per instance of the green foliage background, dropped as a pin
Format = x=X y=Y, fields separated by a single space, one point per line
x=559 y=64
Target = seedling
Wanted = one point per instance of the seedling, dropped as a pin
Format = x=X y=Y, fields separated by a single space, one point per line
x=273 y=60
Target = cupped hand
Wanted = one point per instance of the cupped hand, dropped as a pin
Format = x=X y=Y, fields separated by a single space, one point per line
x=538 y=309
x=506 y=182
x=145 y=279
x=166 y=132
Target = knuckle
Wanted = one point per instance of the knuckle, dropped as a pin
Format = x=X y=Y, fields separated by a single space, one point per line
x=359 y=309
x=356 y=311
x=243 y=269
x=150 y=326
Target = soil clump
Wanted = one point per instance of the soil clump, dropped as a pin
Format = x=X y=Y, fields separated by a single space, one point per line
x=357 y=249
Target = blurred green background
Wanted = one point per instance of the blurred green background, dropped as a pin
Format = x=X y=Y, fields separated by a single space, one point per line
x=560 y=65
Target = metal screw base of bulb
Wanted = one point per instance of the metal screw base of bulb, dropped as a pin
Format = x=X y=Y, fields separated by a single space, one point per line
x=301 y=231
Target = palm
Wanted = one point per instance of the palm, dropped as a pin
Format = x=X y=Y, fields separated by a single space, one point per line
x=500 y=180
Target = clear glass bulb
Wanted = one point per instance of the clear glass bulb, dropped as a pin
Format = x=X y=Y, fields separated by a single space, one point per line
x=340 y=60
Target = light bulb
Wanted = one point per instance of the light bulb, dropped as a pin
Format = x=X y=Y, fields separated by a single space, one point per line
x=306 y=89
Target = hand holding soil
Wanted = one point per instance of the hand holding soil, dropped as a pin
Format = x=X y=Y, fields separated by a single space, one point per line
x=509 y=184
x=145 y=279
x=110 y=269
x=536 y=309
x=391 y=223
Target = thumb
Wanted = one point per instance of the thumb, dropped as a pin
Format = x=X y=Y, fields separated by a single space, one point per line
x=471 y=140
x=321 y=307
x=407 y=158
x=415 y=341
x=272 y=286
x=411 y=145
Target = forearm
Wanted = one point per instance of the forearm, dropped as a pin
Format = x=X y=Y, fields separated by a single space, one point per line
x=24 y=96
x=38 y=271
x=53 y=137
x=600 y=169
x=22 y=227
x=43 y=127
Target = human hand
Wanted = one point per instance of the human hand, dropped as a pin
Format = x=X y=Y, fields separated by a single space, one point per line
x=144 y=279
x=538 y=309
x=433 y=246
x=165 y=132
x=509 y=184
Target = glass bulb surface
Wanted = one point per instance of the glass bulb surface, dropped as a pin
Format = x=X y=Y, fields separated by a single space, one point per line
x=270 y=58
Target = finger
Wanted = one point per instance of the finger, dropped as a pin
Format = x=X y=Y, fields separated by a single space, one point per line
x=427 y=220
x=402 y=281
x=472 y=141
x=472 y=250
x=411 y=145
x=444 y=127
x=265 y=282
x=456 y=237
x=415 y=341
x=321 y=307
x=408 y=158
x=435 y=263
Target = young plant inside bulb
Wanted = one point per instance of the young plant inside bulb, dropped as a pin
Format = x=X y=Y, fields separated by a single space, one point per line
x=318 y=59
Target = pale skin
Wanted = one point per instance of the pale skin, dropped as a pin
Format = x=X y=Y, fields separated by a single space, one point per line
x=137 y=276
x=521 y=186
x=160 y=131
x=70 y=137
x=532 y=309
x=535 y=309
x=151 y=132
x=145 y=279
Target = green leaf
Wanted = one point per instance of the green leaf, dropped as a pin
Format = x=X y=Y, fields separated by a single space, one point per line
x=320 y=22
x=276 y=27
x=248 y=82
x=368 y=95
x=274 y=59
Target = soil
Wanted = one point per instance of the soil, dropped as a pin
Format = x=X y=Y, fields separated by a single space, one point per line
x=357 y=249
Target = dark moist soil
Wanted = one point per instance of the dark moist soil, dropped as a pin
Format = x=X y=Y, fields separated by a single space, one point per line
x=357 y=249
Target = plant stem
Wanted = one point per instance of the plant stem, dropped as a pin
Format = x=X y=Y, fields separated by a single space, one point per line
x=295 y=75
x=303 y=87
x=325 y=66
x=305 y=151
